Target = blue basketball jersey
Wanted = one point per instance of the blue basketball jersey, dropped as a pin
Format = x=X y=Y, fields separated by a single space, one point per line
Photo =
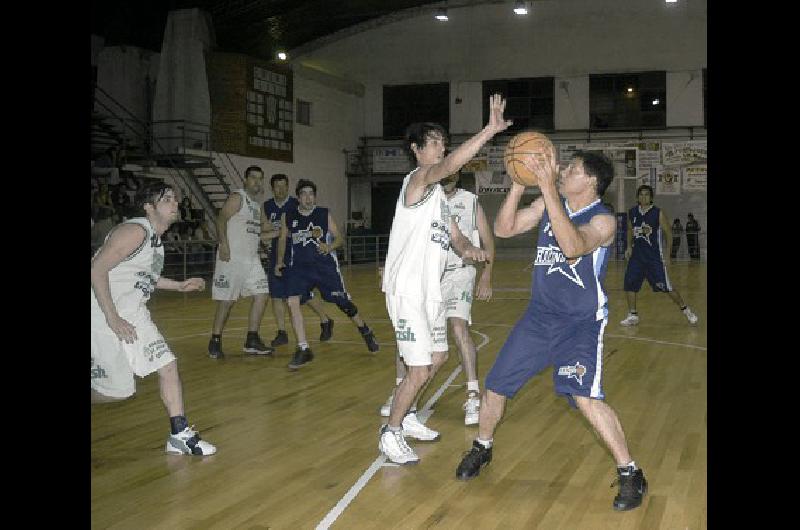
x=306 y=232
x=647 y=234
x=274 y=213
x=570 y=289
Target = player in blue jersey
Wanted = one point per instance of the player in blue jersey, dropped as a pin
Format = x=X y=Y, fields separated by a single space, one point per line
x=564 y=323
x=310 y=236
x=274 y=208
x=648 y=230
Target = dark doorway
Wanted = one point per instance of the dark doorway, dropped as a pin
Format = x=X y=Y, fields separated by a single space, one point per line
x=384 y=199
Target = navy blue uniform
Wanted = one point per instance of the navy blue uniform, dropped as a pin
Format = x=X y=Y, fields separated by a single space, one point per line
x=646 y=259
x=307 y=268
x=277 y=284
x=564 y=322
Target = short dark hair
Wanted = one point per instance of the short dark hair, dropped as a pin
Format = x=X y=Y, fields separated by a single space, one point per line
x=276 y=177
x=648 y=188
x=304 y=183
x=597 y=165
x=253 y=168
x=418 y=133
x=150 y=193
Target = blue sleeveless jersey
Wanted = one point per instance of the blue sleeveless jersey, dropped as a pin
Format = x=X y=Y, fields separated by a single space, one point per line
x=274 y=213
x=574 y=290
x=306 y=232
x=647 y=234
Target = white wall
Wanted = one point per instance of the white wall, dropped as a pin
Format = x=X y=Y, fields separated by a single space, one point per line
x=122 y=72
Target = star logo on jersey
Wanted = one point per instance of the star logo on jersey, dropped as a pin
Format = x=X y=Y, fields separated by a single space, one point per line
x=552 y=257
x=576 y=371
x=643 y=232
x=308 y=236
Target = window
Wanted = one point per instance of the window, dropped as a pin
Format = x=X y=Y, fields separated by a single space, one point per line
x=406 y=104
x=628 y=101
x=303 y=112
x=529 y=102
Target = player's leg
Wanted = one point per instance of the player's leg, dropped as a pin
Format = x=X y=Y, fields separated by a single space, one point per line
x=303 y=354
x=331 y=287
x=256 y=286
x=183 y=439
x=466 y=348
x=325 y=322
x=279 y=312
x=658 y=276
x=400 y=373
x=225 y=290
x=634 y=276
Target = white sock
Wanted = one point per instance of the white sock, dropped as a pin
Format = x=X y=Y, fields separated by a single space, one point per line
x=397 y=381
x=302 y=345
x=472 y=386
x=486 y=443
x=632 y=463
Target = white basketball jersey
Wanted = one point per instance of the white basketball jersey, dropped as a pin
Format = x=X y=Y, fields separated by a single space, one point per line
x=244 y=230
x=134 y=279
x=464 y=209
x=418 y=245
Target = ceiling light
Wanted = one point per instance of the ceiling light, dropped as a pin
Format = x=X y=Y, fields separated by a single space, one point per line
x=282 y=55
x=520 y=9
x=671 y=1
x=630 y=90
x=441 y=14
x=656 y=101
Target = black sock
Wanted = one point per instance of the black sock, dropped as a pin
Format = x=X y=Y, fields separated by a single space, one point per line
x=684 y=308
x=633 y=312
x=252 y=334
x=177 y=424
x=216 y=338
x=364 y=329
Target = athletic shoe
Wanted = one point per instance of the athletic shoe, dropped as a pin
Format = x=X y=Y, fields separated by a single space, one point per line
x=327 y=330
x=413 y=428
x=386 y=408
x=472 y=408
x=256 y=346
x=215 y=349
x=300 y=358
x=632 y=488
x=394 y=446
x=630 y=320
x=691 y=317
x=473 y=461
x=188 y=442
x=280 y=339
x=372 y=344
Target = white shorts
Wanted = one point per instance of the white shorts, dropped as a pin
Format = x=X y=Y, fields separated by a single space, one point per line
x=457 y=289
x=420 y=328
x=234 y=280
x=114 y=362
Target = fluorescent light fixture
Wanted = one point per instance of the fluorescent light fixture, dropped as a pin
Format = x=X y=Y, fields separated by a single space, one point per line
x=520 y=9
x=441 y=14
x=282 y=56
x=630 y=90
x=671 y=1
x=656 y=101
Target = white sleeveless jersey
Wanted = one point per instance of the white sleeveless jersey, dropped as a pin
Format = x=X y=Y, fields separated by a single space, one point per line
x=418 y=245
x=463 y=207
x=134 y=279
x=244 y=230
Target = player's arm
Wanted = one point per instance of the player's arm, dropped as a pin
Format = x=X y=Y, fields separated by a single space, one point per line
x=122 y=242
x=228 y=210
x=338 y=240
x=463 y=246
x=268 y=230
x=629 y=237
x=510 y=221
x=279 y=264
x=483 y=291
x=431 y=174
x=191 y=284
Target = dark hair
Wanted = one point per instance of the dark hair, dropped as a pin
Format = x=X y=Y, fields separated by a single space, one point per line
x=253 y=168
x=648 y=188
x=304 y=183
x=419 y=132
x=150 y=193
x=597 y=165
x=276 y=177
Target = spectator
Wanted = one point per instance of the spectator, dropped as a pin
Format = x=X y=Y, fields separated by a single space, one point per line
x=103 y=213
x=186 y=209
x=692 y=237
x=677 y=230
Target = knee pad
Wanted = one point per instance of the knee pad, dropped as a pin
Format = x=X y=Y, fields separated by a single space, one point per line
x=348 y=308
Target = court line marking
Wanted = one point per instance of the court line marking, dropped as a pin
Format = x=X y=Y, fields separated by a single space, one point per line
x=381 y=461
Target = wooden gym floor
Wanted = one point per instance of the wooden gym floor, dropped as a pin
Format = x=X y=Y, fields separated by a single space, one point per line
x=298 y=449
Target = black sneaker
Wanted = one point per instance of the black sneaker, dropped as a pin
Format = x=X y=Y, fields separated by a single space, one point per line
x=256 y=346
x=473 y=461
x=215 y=349
x=632 y=488
x=280 y=339
x=300 y=358
x=372 y=344
x=327 y=330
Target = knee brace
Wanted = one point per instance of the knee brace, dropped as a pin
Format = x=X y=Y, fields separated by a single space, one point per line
x=348 y=308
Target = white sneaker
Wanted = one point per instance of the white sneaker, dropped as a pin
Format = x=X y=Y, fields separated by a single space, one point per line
x=630 y=320
x=386 y=408
x=394 y=446
x=691 y=317
x=413 y=428
x=472 y=408
x=188 y=442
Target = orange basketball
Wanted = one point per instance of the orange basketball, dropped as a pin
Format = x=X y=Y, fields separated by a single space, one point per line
x=522 y=146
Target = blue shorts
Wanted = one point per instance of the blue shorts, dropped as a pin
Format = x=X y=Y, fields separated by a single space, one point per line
x=654 y=270
x=301 y=278
x=277 y=284
x=538 y=340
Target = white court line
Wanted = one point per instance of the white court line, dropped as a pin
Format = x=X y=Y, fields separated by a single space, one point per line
x=379 y=462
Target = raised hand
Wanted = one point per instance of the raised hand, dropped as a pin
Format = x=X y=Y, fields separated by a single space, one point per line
x=496 y=107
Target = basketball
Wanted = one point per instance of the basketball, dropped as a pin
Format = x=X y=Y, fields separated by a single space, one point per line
x=522 y=146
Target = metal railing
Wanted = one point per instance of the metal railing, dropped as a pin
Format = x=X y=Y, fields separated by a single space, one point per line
x=366 y=248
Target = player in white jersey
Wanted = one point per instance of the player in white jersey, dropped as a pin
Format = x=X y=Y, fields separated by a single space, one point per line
x=458 y=283
x=238 y=271
x=124 y=341
x=422 y=233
